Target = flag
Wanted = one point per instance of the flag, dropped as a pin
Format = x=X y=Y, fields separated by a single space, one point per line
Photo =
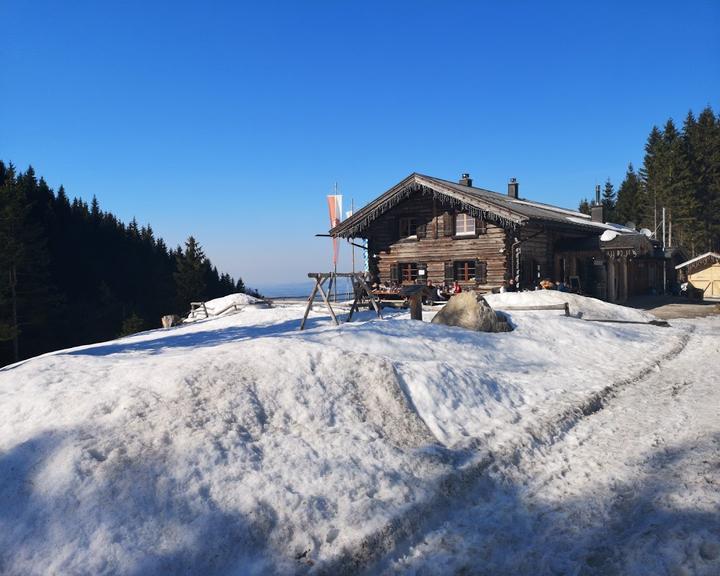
x=335 y=207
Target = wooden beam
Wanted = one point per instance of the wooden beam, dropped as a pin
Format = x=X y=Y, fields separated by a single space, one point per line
x=327 y=302
x=310 y=302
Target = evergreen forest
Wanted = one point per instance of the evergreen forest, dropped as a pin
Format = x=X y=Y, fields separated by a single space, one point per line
x=680 y=173
x=73 y=274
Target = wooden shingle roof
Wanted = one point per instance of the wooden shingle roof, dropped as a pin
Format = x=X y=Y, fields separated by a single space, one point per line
x=492 y=206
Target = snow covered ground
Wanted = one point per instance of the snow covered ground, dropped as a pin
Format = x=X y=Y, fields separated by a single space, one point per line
x=239 y=445
x=632 y=489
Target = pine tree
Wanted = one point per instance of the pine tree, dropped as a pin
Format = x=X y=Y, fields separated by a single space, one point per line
x=584 y=206
x=72 y=274
x=702 y=143
x=191 y=274
x=651 y=178
x=25 y=288
x=12 y=216
x=608 y=201
x=629 y=206
x=95 y=213
x=132 y=325
x=677 y=190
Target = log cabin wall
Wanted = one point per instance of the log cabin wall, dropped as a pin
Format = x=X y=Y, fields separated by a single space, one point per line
x=436 y=245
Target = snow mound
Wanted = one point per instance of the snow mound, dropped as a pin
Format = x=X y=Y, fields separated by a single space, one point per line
x=580 y=306
x=242 y=445
x=225 y=305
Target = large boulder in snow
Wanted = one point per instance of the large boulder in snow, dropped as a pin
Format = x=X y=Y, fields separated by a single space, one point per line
x=468 y=310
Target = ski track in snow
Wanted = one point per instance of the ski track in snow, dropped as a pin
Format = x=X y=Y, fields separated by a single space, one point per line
x=633 y=488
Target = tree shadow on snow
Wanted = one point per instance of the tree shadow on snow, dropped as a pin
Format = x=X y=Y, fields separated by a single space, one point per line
x=67 y=507
x=201 y=339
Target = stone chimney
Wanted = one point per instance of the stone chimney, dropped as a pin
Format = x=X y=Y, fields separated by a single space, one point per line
x=513 y=187
x=596 y=212
x=465 y=180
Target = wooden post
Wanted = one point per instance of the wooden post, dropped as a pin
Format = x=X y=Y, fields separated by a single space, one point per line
x=416 y=306
x=414 y=294
x=310 y=302
x=327 y=302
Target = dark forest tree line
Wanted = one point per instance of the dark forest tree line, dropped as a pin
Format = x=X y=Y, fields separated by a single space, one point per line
x=72 y=274
x=680 y=173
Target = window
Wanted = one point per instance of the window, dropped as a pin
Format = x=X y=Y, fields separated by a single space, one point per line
x=464 y=270
x=464 y=225
x=408 y=227
x=408 y=272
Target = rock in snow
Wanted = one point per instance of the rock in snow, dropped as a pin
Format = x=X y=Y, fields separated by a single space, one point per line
x=471 y=311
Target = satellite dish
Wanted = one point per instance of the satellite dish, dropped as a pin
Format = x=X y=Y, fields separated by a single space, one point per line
x=646 y=232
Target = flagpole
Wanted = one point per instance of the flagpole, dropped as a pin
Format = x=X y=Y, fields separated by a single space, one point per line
x=335 y=260
x=352 y=211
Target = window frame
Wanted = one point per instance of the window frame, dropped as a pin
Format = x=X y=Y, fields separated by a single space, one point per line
x=467 y=267
x=467 y=219
x=412 y=269
x=408 y=228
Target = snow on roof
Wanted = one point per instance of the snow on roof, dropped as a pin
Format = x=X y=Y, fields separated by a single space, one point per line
x=708 y=255
x=550 y=207
x=601 y=225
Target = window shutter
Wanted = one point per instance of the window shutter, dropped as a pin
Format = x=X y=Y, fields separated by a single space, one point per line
x=395 y=273
x=448 y=224
x=421 y=231
x=480 y=272
x=449 y=273
x=480 y=226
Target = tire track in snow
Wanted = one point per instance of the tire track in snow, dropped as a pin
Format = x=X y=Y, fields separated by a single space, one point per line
x=408 y=527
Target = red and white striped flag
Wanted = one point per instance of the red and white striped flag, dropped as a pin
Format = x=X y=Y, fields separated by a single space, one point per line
x=335 y=207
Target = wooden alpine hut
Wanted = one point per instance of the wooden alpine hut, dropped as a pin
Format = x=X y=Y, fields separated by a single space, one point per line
x=429 y=228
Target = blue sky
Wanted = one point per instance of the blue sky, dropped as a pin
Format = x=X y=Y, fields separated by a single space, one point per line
x=231 y=121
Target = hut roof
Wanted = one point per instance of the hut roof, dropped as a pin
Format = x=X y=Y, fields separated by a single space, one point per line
x=492 y=206
x=707 y=259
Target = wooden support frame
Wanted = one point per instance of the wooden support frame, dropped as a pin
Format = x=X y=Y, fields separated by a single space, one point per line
x=360 y=287
x=195 y=305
